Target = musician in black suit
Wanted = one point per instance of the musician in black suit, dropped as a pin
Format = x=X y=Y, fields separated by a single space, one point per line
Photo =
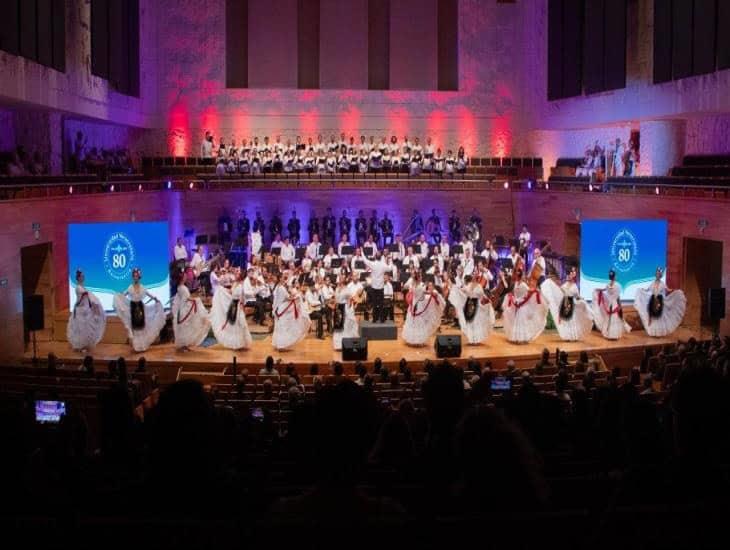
x=224 y=228
x=433 y=226
x=416 y=223
x=329 y=225
x=345 y=225
x=294 y=227
x=275 y=226
x=386 y=227
x=243 y=225
x=374 y=226
x=476 y=220
x=259 y=225
x=454 y=227
x=361 y=228
x=313 y=225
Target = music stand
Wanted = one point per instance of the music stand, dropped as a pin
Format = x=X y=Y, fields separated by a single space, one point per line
x=456 y=249
x=300 y=252
x=201 y=239
x=363 y=276
x=332 y=277
x=404 y=276
x=348 y=250
x=359 y=264
x=506 y=263
x=426 y=264
x=368 y=251
x=393 y=248
x=336 y=262
x=275 y=251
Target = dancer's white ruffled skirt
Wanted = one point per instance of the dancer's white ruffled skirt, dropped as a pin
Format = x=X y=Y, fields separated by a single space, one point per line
x=612 y=326
x=154 y=321
x=87 y=324
x=478 y=329
x=291 y=327
x=229 y=335
x=350 y=328
x=525 y=323
x=675 y=304
x=579 y=325
x=419 y=328
x=190 y=322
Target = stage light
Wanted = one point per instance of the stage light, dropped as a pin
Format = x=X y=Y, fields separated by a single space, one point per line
x=506 y=185
x=656 y=190
x=112 y=188
x=139 y=188
x=70 y=189
x=529 y=184
x=192 y=185
x=590 y=187
x=169 y=184
x=547 y=185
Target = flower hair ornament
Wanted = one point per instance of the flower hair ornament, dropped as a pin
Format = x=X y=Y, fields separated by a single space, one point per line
x=137 y=271
x=79 y=273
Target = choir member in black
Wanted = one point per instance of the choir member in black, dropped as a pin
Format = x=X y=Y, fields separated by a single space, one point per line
x=433 y=225
x=345 y=225
x=361 y=228
x=454 y=227
x=225 y=225
x=313 y=225
x=386 y=227
x=275 y=226
x=374 y=227
x=295 y=228
x=259 y=225
x=329 y=225
x=243 y=226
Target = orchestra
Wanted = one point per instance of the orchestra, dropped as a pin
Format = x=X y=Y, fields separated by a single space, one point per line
x=285 y=285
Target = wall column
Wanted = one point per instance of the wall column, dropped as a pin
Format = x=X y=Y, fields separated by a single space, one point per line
x=662 y=146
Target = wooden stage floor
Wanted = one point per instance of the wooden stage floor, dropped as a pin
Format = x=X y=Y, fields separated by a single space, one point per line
x=215 y=358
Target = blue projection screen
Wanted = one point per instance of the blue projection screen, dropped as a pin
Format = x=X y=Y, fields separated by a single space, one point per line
x=632 y=248
x=107 y=253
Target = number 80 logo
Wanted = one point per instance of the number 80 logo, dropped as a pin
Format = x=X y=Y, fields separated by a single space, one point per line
x=624 y=250
x=119 y=256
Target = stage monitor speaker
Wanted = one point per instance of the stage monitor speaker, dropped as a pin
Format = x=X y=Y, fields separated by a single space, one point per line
x=448 y=346
x=354 y=349
x=33 y=312
x=716 y=303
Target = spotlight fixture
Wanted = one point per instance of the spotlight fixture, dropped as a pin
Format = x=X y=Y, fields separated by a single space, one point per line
x=112 y=188
x=169 y=184
x=70 y=189
x=139 y=188
x=529 y=184
x=547 y=185
x=191 y=185
x=702 y=224
x=590 y=187
x=506 y=185
x=656 y=190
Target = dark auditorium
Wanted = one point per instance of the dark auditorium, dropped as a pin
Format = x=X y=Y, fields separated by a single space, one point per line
x=365 y=274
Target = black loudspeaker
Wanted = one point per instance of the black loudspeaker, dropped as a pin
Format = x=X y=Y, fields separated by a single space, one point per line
x=33 y=312
x=448 y=346
x=716 y=303
x=354 y=349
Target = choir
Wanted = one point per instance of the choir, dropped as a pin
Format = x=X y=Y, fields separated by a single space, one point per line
x=253 y=157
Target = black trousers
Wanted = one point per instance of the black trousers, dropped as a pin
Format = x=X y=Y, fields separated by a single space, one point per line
x=387 y=238
x=259 y=310
x=388 y=309
x=378 y=310
x=361 y=236
x=317 y=316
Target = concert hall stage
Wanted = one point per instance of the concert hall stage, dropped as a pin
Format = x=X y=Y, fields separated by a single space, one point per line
x=214 y=360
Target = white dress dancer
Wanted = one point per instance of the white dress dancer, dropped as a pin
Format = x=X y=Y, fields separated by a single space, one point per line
x=661 y=310
x=345 y=320
x=524 y=313
x=142 y=321
x=190 y=319
x=607 y=311
x=291 y=322
x=573 y=318
x=228 y=318
x=474 y=311
x=87 y=321
x=425 y=308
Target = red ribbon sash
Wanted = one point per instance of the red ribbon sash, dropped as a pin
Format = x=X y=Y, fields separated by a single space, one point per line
x=512 y=302
x=292 y=303
x=431 y=298
x=193 y=309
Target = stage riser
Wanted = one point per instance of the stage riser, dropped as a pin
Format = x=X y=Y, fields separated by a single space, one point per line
x=378 y=331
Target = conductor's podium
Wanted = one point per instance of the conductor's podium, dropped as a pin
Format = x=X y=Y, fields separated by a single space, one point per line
x=378 y=331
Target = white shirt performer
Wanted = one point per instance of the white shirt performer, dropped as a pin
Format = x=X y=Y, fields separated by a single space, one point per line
x=661 y=310
x=378 y=269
